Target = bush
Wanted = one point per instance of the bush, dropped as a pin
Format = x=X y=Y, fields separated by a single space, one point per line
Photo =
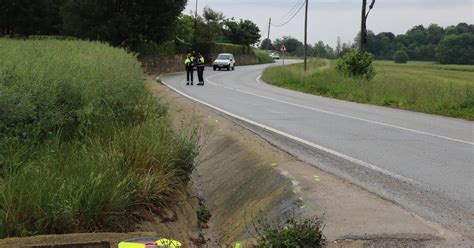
x=151 y=48
x=203 y=214
x=356 y=64
x=290 y=233
x=263 y=57
x=400 y=57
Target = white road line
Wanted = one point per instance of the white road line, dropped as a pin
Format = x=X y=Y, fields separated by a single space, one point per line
x=336 y=114
x=308 y=143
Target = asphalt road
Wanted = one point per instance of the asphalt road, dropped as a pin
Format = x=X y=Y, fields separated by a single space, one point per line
x=423 y=162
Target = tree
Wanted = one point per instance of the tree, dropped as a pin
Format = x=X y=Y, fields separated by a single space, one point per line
x=339 y=46
x=30 y=17
x=213 y=21
x=244 y=32
x=185 y=27
x=267 y=45
x=456 y=49
x=320 y=50
x=124 y=23
x=290 y=43
x=300 y=50
x=400 y=57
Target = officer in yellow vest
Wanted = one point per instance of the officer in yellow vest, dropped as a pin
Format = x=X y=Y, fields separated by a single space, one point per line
x=200 y=68
x=189 y=65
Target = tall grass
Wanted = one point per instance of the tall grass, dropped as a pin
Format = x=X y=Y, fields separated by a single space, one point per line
x=83 y=146
x=423 y=87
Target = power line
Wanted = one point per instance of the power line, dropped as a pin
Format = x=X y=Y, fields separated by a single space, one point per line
x=288 y=14
x=293 y=17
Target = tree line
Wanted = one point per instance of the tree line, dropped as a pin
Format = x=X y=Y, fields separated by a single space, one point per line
x=125 y=23
x=213 y=27
x=450 y=45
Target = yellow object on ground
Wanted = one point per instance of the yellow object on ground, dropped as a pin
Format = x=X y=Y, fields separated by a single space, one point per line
x=150 y=243
x=168 y=243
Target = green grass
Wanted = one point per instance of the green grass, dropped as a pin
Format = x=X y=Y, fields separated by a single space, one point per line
x=83 y=145
x=418 y=86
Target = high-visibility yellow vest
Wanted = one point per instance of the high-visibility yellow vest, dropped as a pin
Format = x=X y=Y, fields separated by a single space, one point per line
x=201 y=61
x=188 y=60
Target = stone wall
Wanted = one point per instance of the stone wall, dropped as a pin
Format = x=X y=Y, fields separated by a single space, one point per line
x=156 y=65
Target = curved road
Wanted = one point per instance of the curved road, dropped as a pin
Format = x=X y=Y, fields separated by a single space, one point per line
x=422 y=162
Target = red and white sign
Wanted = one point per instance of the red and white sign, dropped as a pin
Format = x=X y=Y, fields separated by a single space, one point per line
x=283 y=48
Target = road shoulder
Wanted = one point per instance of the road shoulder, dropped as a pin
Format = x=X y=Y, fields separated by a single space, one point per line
x=353 y=216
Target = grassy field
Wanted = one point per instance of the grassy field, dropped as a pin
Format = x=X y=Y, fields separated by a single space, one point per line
x=418 y=86
x=83 y=146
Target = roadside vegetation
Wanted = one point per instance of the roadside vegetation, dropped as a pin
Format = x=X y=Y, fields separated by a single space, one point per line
x=263 y=57
x=292 y=232
x=83 y=145
x=419 y=86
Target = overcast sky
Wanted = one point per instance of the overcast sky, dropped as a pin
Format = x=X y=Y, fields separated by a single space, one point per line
x=329 y=19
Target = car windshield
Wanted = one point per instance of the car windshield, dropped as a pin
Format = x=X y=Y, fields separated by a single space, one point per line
x=223 y=57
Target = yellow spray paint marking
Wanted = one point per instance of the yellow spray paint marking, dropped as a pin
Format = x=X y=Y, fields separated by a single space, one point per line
x=168 y=243
x=140 y=243
x=274 y=164
x=317 y=178
x=299 y=203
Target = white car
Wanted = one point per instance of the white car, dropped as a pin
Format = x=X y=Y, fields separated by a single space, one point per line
x=275 y=55
x=224 y=60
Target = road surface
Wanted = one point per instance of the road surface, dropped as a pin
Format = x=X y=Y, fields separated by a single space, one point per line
x=422 y=162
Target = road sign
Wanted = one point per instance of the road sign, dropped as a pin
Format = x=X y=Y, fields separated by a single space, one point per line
x=283 y=48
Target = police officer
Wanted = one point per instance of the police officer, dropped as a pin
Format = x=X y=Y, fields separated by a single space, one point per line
x=189 y=65
x=200 y=68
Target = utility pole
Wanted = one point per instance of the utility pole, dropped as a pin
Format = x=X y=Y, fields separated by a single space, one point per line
x=268 y=35
x=363 y=25
x=306 y=37
x=195 y=25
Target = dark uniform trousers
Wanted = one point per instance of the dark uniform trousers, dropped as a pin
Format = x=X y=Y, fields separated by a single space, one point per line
x=200 y=73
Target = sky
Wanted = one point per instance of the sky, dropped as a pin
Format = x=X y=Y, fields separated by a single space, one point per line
x=328 y=19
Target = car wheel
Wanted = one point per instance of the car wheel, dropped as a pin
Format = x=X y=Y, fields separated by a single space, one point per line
x=233 y=67
x=214 y=68
x=228 y=68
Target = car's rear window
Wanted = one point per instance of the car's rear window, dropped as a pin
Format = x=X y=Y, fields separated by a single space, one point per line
x=223 y=57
